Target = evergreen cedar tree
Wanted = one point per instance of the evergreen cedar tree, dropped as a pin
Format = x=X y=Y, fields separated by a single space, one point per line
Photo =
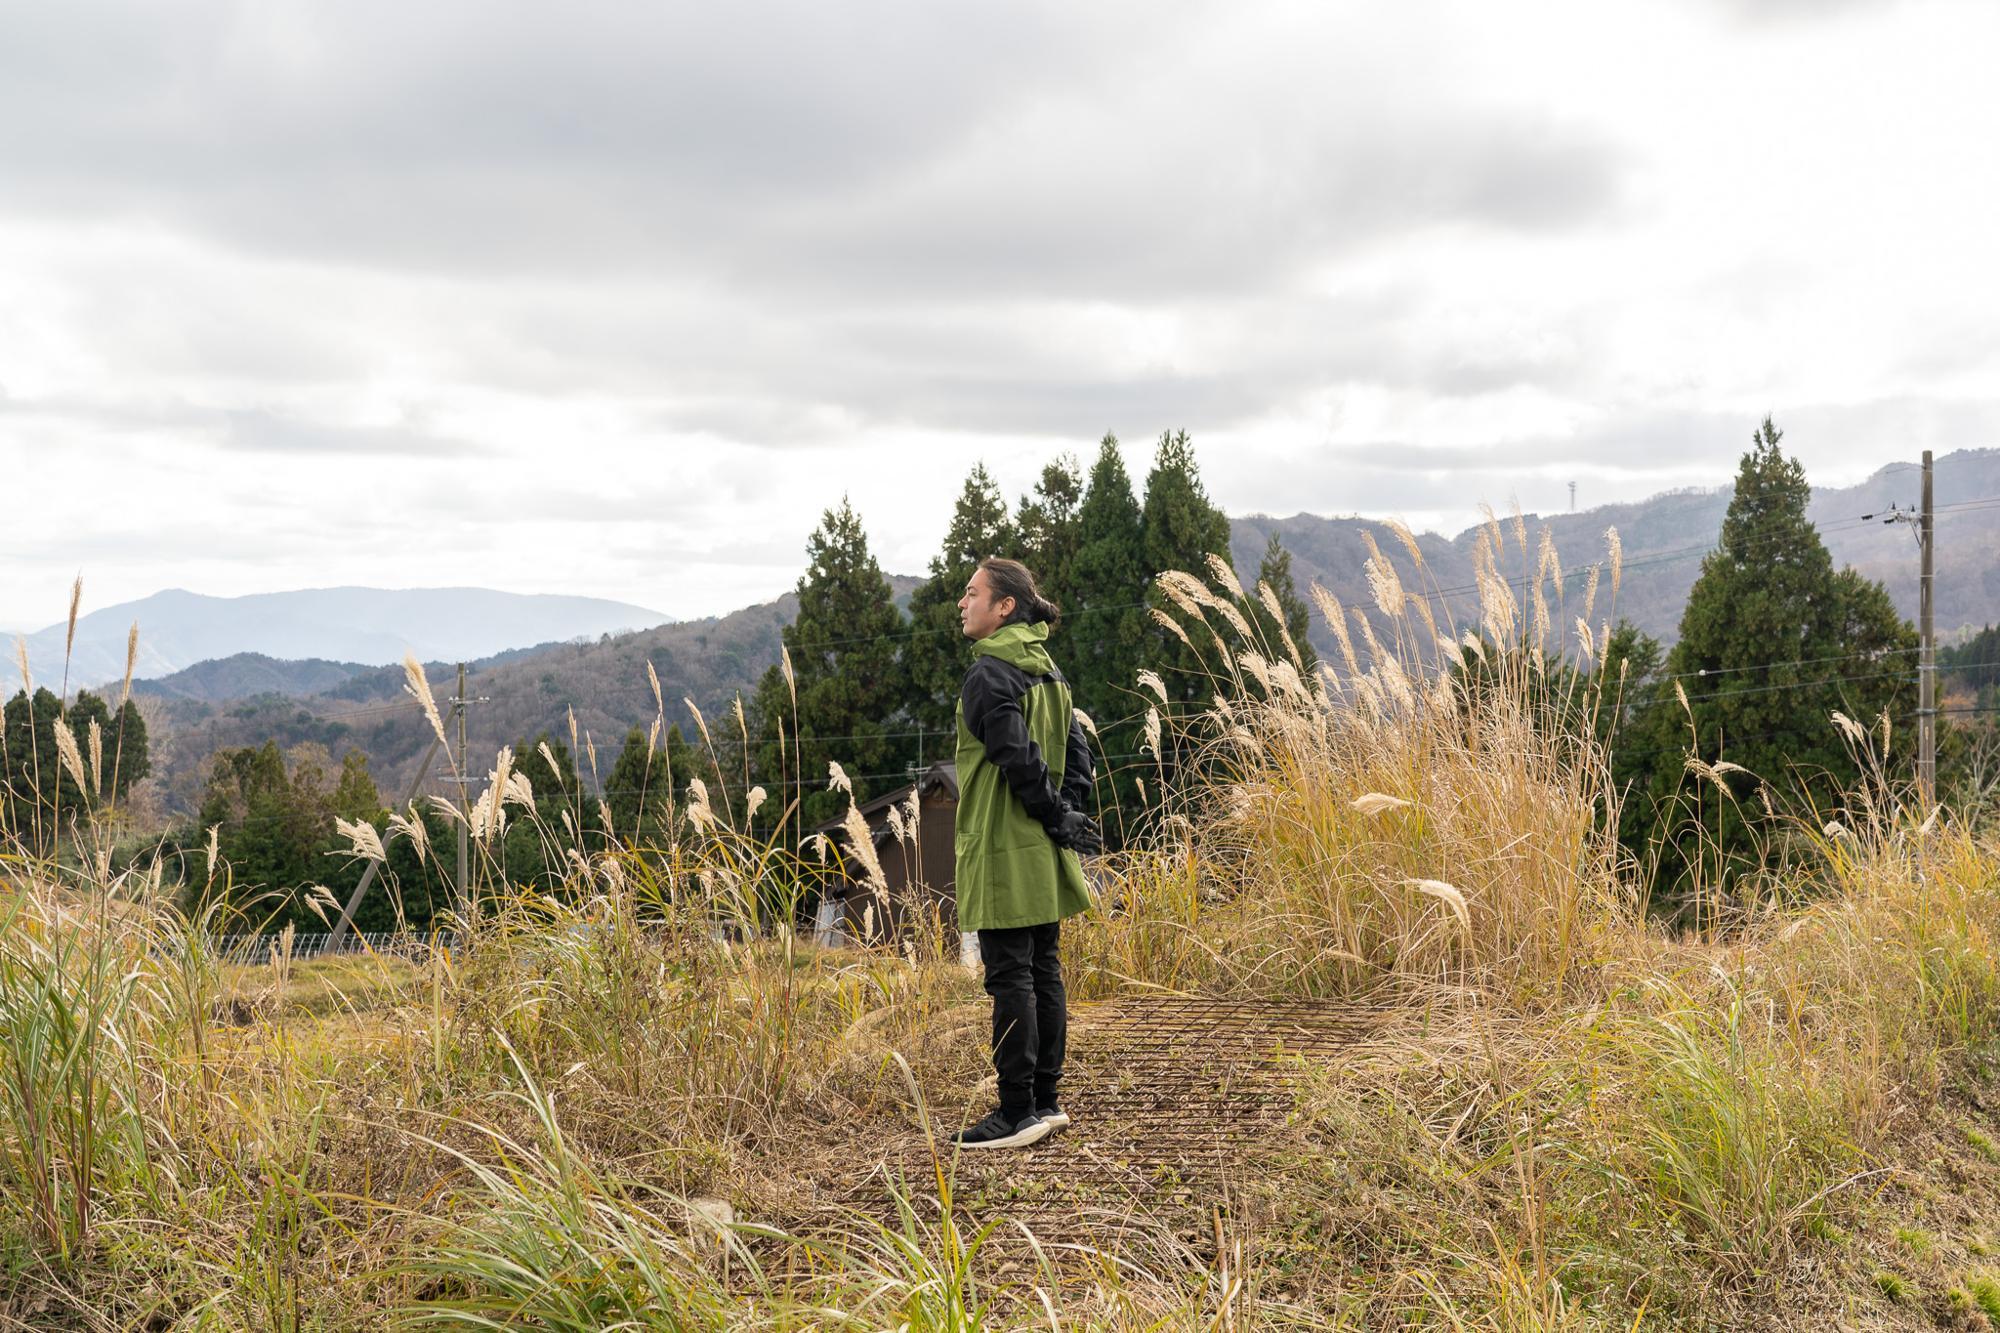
x=936 y=660
x=851 y=676
x=640 y=790
x=1048 y=530
x=1182 y=528
x=1975 y=666
x=1768 y=594
x=34 y=786
x=1102 y=640
x=1275 y=572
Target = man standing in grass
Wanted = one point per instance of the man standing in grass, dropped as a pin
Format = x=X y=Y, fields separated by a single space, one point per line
x=1024 y=773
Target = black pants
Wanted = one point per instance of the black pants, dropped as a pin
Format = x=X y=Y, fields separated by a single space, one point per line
x=1030 y=1014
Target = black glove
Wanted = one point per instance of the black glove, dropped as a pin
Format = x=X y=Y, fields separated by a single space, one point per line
x=1076 y=831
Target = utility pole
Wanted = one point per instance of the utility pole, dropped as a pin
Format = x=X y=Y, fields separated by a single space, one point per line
x=459 y=704
x=464 y=804
x=346 y=921
x=1926 y=652
x=1924 y=520
x=1572 y=497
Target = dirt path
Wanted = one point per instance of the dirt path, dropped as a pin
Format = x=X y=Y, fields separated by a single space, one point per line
x=1167 y=1097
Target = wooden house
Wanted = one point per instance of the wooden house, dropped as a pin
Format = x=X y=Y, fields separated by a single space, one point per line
x=918 y=866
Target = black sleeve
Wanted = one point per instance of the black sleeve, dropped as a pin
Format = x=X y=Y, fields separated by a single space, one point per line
x=992 y=699
x=1078 y=771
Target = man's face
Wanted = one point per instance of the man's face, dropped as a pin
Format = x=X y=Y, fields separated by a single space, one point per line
x=979 y=612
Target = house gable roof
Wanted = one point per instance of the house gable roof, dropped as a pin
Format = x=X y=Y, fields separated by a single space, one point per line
x=939 y=776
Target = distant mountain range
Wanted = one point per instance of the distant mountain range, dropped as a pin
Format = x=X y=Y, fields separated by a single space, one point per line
x=245 y=698
x=1664 y=539
x=602 y=682
x=370 y=626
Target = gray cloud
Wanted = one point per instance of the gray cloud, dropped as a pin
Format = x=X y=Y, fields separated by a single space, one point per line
x=908 y=152
x=777 y=223
x=1197 y=218
x=477 y=136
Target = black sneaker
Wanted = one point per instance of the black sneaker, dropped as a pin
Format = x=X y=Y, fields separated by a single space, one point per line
x=997 y=1131
x=1053 y=1116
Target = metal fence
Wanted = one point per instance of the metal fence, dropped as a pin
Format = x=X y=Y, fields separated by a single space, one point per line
x=319 y=944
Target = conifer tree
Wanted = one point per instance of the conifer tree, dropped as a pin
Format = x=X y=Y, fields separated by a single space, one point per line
x=534 y=855
x=1275 y=572
x=639 y=791
x=273 y=834
x=680 y=761
x=355 y=795
x=128 y=755
x=83 y=710
x=1182 y=529
x=1104 y=623
x=1103 y=632
x=850 y=684
x=1773 y=640
x=936 y=655
x=37 y=792
x=1049 y=529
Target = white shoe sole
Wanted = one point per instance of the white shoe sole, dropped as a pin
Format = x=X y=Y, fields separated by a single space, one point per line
x=1035 y=1133
x=1060 y=1120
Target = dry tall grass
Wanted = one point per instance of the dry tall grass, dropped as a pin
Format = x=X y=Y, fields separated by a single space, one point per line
x=587 y=1112
x=1413 y=822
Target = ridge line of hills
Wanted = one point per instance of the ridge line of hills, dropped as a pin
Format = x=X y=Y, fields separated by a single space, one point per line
x=245 y=698
x=345 y=624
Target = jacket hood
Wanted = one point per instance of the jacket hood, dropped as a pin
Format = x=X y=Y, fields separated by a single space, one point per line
x=1019 y=645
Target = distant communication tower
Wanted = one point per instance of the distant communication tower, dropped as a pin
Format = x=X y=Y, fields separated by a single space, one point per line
x=1572 y=497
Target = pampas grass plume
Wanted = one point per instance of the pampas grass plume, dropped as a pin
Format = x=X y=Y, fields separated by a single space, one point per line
x=131 y=661
x=419 y=688
x=1223 y=575
x=1449 y=895
x=72 y=761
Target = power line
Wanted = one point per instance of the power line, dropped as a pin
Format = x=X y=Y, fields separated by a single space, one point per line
x=1655 y=558
x=1727 y=693
x=1801 y=661
x=791 y=784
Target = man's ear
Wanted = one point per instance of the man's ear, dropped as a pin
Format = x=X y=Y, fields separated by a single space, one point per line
x=1005 y=606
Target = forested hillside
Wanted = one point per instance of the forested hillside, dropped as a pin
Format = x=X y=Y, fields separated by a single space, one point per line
x=523 y=693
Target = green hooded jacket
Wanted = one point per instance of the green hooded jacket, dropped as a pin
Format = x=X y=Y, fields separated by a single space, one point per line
x=1021 y=756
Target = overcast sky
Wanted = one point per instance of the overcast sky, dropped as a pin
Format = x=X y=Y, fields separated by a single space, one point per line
x=613 y=299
